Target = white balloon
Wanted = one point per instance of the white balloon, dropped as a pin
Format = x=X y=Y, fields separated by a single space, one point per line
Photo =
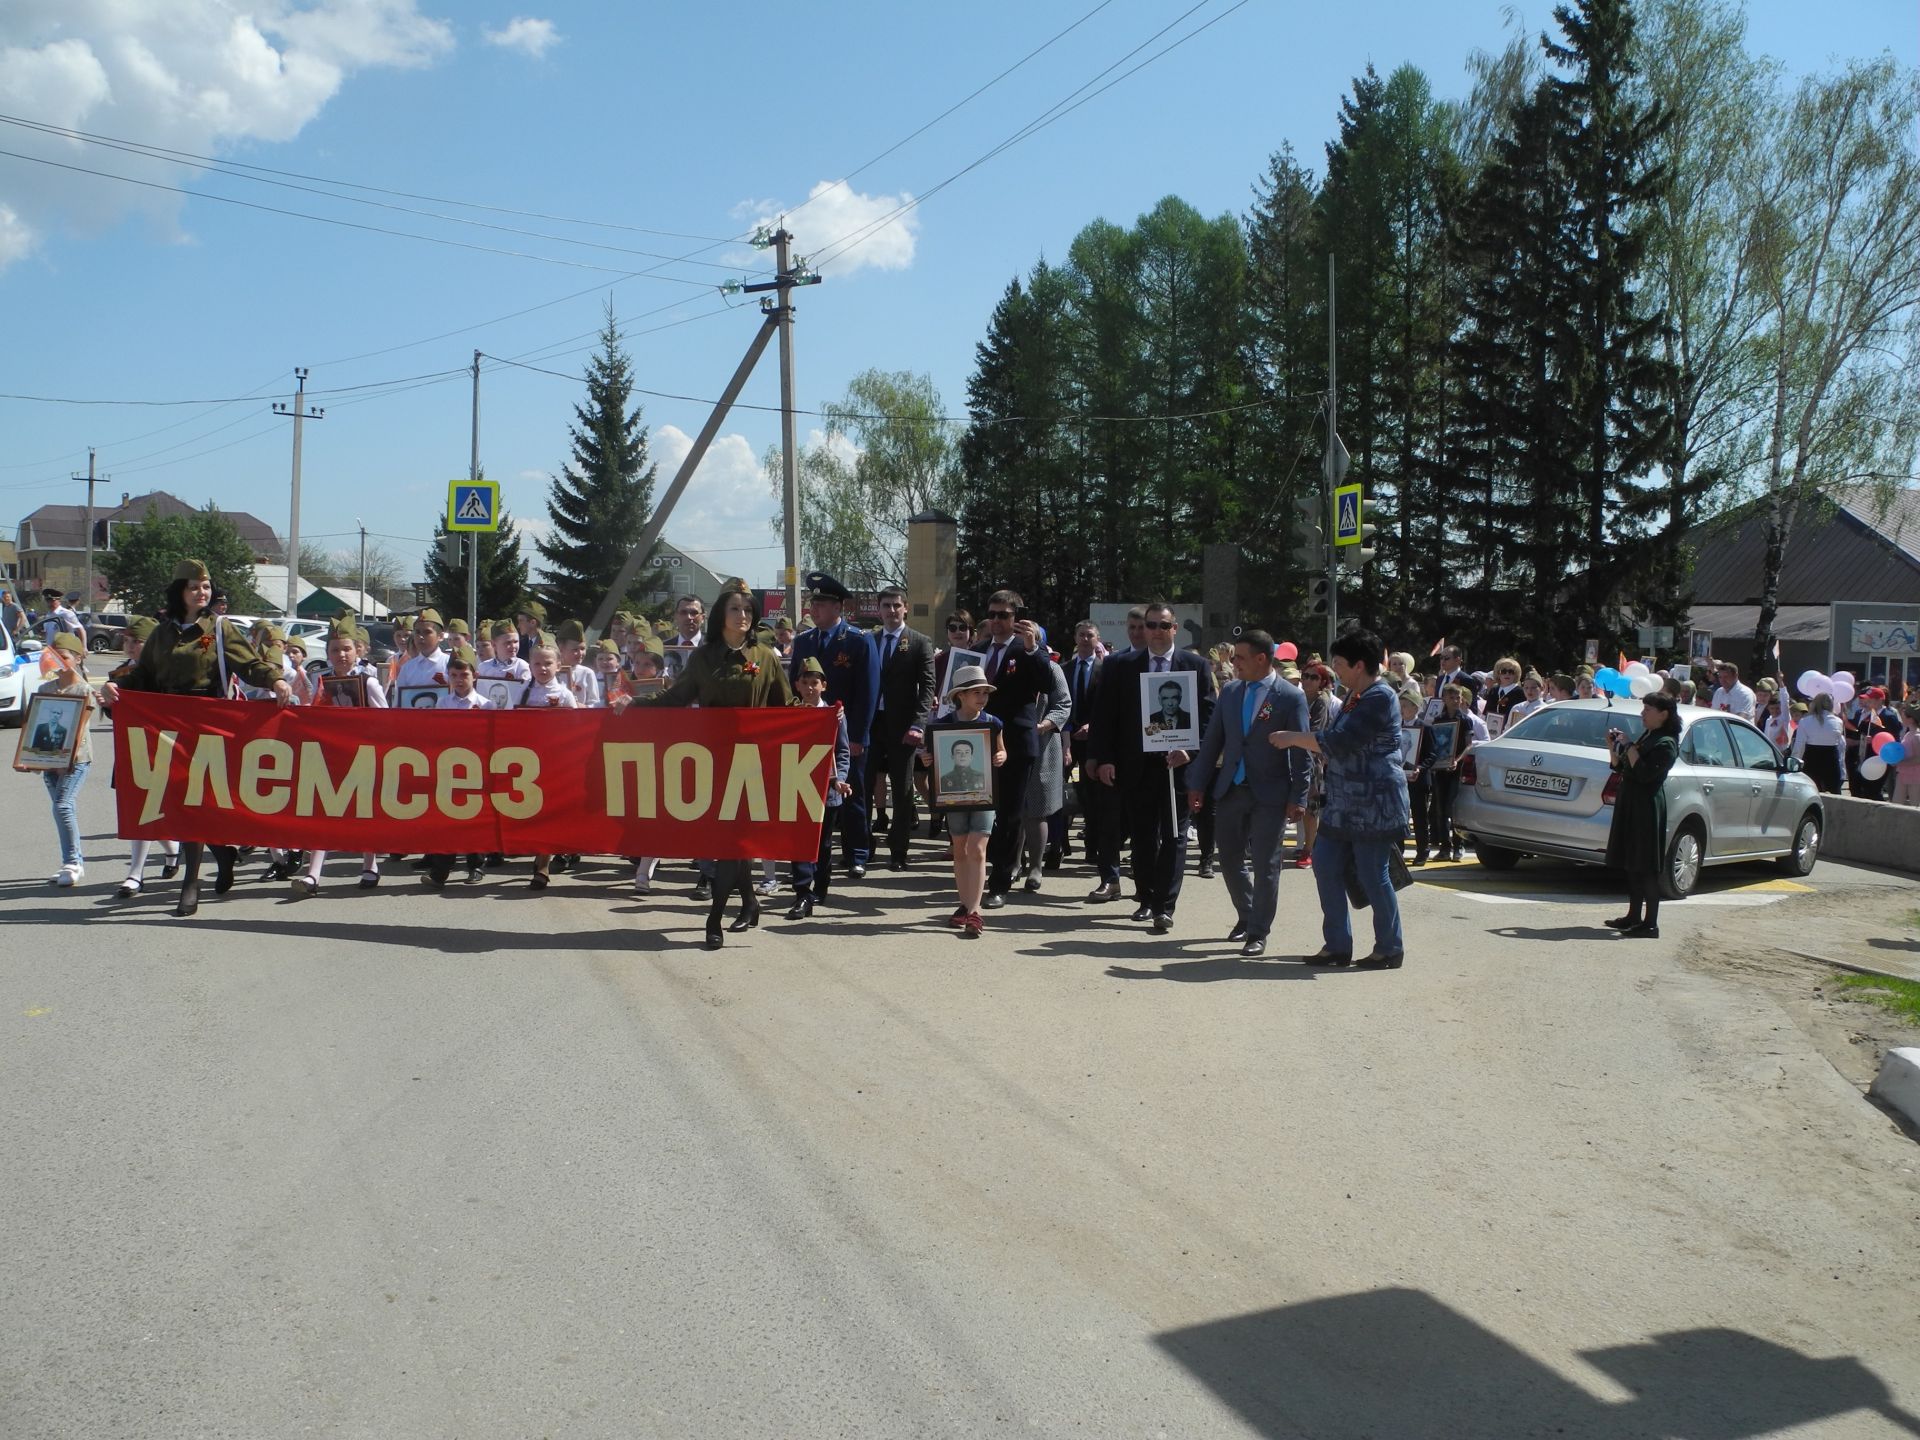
x=1642 y=685
x=1872 y=768
x=1636 y=667
x=1846 y=675
x=1842 y=692
x=1814 y=683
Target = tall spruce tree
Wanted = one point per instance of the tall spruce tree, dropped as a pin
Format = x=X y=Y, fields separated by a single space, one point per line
x=601 y=501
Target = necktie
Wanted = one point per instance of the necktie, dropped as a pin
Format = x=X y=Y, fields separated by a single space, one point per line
x=993 y=661
x=886 y=652
x=1159 y=665
x=1079 y=683
x=1246 y=724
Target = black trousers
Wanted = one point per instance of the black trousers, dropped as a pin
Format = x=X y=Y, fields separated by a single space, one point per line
x=1003 y=845
x=892 y=757
x=1445 y=784
x=1101 y=826
x=1419 y=810
x=1157 y=825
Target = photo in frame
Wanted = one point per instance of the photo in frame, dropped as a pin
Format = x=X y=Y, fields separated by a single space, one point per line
x=419 y=697
x=51 y=732
x=639 y=686
x=957 y=658
x=962 y=766
x=1496 y=724
x=1170 y=711
x=501 y=691
x=1443 y=742
x=349 y=690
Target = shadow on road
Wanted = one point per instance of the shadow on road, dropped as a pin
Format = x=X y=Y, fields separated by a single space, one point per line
x=1224 y=967
x=1555 y=932
x=1397 y=1364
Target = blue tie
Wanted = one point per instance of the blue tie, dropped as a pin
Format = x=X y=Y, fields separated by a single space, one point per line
x=1246 y=724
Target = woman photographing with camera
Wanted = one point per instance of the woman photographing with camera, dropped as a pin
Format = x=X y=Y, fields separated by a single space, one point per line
x=1637 y=843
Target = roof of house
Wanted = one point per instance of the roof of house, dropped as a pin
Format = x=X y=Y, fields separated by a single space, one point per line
x=64 y=527
x=1852 y=549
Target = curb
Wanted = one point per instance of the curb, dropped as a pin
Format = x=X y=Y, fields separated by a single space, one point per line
x=1898 y=1084
x=1857 y=969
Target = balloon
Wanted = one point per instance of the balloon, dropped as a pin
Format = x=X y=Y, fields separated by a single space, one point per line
x=1620 y=685
x=1811 y=682
x=1636 y=667
x=1642 y=685
x=1846 y=675
x=1841 y=691
x=1880 y=742
x=1893 y=754
x=1604 y=677
x=1872 y=768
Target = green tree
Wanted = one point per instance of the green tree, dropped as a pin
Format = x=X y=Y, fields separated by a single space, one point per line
x=503 y=572
x=602 y=499
x=888 y=453
x=140 y=566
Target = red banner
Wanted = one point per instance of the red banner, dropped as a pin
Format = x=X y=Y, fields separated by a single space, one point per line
x=721 y=784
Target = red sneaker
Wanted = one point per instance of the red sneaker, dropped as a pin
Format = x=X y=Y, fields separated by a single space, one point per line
x=970 y=926
x=958 y=918
x=1303 y=861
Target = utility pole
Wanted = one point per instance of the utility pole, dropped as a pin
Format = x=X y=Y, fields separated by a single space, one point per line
x=473 y=540
x=300 y=414
x=789 y=456
x=363 y=562
x=91 y=480
x=1327 y=469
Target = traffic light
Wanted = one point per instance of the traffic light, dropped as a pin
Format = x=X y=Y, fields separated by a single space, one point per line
x=1363 y=553
x=1320 y=597
x=1310 y=543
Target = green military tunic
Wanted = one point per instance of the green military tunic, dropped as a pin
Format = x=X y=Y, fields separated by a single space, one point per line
x=184 y=659
x=719 y=676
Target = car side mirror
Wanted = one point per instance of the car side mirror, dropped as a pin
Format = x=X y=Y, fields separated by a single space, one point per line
x=1793 y=765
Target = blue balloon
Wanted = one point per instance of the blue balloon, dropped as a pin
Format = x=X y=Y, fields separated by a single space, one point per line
x=1893 y=754
x=1604 y=677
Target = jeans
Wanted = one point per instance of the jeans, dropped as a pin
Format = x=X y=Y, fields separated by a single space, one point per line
x=63 y=789
x=1332 y=856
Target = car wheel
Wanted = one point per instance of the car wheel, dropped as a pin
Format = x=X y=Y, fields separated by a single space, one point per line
x=1495 y=857
x=1806 y=847
x=1682 y=870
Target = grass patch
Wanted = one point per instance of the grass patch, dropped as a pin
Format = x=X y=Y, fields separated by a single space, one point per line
x=1901 y=997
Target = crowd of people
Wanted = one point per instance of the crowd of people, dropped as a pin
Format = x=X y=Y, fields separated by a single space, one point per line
x=1326 y=749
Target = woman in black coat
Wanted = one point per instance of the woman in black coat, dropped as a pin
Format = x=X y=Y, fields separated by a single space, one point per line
x=1637 y=843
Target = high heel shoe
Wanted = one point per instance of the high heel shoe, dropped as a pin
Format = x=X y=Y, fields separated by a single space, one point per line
x=171 y=868
x=223 y=858
x=715 y=939
x=1624 y=922
x=189 y=901
x=749 y=917
x=538 y=881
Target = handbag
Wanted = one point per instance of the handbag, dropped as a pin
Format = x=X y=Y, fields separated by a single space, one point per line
x=1398 y=876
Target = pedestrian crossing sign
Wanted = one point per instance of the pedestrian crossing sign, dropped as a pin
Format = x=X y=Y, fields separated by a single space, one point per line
x=473 y=505
x=1346 y=515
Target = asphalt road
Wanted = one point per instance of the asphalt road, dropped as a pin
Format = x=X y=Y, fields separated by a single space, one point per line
x=499 y=1163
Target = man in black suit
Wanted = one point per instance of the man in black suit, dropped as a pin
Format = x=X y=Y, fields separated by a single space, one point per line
x=1099 y=809
x=1453 y=671
x=1020 y=676
x=1156 y=817
x=906 y=699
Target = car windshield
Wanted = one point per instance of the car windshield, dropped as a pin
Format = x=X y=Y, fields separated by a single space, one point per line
x=1565 y=725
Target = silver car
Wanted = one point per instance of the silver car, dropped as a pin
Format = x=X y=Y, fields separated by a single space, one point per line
x=1545 y=787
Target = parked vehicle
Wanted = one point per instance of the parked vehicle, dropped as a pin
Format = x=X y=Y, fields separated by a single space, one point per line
x=105 y=629
x=1545 y=787
x=19 y=675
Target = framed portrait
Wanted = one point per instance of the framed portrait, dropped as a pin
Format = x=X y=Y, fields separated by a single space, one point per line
x=673 y=659
x=50 y=732
x=1170 y=711
x=418 y=697
x=345 y=689
x=956 y=658
x=1495 y=724
x=1443 y=742
x=642 y=685
x=962 y=766
x=501 y=690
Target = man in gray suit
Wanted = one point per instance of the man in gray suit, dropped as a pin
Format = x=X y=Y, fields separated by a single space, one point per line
x=1256 y=788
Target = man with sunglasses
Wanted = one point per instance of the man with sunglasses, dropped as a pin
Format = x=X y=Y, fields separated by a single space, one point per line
x=1155 y=818
x=1020 y=674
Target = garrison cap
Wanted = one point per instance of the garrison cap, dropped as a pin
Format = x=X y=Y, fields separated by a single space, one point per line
x=191 y=571
x=570 y=630
x=142 y=626
x=462 y=655
x=533 y=608
x=457 y=626
x=812 y=666
x=70 y=644
x=430 y=617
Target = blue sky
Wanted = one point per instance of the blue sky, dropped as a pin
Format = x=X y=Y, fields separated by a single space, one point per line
x=693 y=120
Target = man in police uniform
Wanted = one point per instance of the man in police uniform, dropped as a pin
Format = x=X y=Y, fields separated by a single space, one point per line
x=852 y=668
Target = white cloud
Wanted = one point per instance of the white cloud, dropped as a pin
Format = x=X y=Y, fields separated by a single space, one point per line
x=534 y=37
x=723 y=515
x=531 y=532
x=203 y=76
x=835 y=212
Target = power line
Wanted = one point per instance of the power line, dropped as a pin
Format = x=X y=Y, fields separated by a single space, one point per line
x=234 y=399
x=233 y=165
x=351 y=224
x=171 y=157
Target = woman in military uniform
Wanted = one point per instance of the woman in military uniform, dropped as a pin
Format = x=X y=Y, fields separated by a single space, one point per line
x=730 y=669
x=194 y=651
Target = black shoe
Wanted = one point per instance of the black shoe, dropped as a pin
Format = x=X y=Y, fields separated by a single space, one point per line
x=749 y=918
x=1206 y=869
x=1162 y=923
x=1145 y=912
x=1104 y=891
x=858 y=872
x=171 y=868
x=1625 y=922
x=995 y=901
x=897 y=862
x=189 y=899
x=1032 y=883
x=1641 y=932
x=1377 y=961
x=801 y=909
x=222 y=869
x=369 y=879
x=1050 y=862
x=715 y=939
x=1325 y=956
x=475 y=874
x=703 y=890
x=1239 y=932
x=438 y=872
x=1254 y=946
x=538 y=881
x=1419 y=858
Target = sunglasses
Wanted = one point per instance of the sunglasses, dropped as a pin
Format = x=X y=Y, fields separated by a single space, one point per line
x=958 y=629
x=1000 y=614
x=1158 y=624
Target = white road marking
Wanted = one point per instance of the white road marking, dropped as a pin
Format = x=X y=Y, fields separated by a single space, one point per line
x=1745 y=900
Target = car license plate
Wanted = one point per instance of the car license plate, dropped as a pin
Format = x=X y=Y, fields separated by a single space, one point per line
x=1540 y=784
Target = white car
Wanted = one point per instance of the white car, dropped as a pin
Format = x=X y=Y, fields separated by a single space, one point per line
x=19 y=675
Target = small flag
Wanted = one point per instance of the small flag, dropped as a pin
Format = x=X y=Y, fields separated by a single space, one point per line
x=1438 y=646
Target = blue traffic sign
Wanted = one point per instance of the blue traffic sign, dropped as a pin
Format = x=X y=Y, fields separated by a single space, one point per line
x=473 y=505
x=1346 y=515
